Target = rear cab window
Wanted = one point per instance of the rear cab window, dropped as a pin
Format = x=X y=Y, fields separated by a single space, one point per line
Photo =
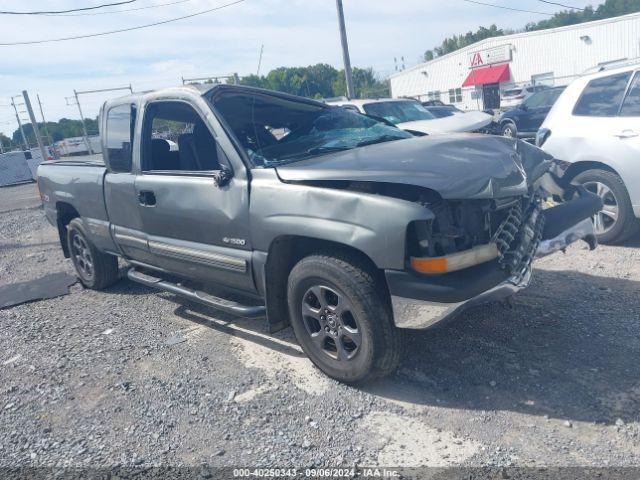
x=602 y=96
x=119 y=138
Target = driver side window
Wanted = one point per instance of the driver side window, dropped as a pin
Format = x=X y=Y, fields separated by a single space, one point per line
x=176 y=138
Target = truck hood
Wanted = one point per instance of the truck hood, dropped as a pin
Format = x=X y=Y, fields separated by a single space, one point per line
x=463 y=122
x=462 y=166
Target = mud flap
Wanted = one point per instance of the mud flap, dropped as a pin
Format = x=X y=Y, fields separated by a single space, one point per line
x=569 y=222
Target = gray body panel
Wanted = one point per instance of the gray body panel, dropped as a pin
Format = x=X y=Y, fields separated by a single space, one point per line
x=461 y=166
x=79 y=185
x=341 y=216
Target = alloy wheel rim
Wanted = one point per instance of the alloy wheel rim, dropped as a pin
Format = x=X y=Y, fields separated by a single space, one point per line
x=330 y=322
x=605 y=219
x=82 y=255
x=508 y=132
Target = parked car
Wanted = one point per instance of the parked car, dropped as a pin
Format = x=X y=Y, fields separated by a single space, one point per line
x=595 y=126
x=524 y=120
x=441 y=111
x=345 y=227
x=410 y=115
x=515 y=96
x=434 y=103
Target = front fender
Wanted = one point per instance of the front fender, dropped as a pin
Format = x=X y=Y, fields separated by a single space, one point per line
x=373 y=224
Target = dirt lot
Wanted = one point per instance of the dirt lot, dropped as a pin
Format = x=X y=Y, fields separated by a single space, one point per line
x=130 y=376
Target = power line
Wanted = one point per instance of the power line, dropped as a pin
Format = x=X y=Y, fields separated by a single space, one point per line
x=507 y=8
x=68 y=11
x=562 y=5
x=31 y=42
x=156 y=5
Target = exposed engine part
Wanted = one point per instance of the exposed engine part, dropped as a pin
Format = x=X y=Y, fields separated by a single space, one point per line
x=462 y=225
x=517 y=254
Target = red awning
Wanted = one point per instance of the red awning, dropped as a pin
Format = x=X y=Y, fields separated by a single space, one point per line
x=490 y=74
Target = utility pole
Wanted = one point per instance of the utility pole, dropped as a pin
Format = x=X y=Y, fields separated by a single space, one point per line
x=24 y=137
x=44 y=122
x=260 y=59
x=345 y=50
x=34 y=124
x=84 y=127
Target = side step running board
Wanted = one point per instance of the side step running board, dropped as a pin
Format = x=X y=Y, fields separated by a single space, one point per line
x=227 y=306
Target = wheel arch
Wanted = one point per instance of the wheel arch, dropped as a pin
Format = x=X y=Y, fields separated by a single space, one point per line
x=577 y=168
x=65 y=212
x=287 y=250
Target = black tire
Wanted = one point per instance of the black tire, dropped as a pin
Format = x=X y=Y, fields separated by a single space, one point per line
x=377 y=350
x=626 y=224
x=509 y=130
x=95 y=269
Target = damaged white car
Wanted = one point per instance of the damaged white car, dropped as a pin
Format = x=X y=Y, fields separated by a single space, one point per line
x=412 y=116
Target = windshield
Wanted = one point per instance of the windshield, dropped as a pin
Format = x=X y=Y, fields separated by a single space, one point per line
x=546 y=98
x=512 y=93
x=441 y=112
x=398 y=112
x=275 y=130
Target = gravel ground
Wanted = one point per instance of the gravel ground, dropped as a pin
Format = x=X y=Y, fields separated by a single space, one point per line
x=130 y=376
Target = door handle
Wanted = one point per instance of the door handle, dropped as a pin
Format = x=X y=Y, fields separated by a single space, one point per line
x=627 y=134
x=147 y=198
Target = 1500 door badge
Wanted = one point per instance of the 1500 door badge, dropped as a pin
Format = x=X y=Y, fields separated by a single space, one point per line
x=234 y=241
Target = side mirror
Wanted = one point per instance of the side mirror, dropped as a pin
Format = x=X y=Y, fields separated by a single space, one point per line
x=223 y=177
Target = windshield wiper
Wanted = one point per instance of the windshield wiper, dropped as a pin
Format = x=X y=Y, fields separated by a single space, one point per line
x=384 y=138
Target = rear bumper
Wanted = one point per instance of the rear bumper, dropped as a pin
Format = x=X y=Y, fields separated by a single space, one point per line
x=421 y=301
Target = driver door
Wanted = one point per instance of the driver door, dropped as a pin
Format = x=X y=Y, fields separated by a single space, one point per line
x=197 y=226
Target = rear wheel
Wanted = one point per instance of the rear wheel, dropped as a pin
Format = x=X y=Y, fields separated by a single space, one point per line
x=95 y=269
x=615 y=222
x=342 y=318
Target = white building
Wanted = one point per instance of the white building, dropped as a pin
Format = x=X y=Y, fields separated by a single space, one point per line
x=472 y=77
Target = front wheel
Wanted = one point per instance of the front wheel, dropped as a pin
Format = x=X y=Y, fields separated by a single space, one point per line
x=509 y=130
x=615 y=222
x=342 y=318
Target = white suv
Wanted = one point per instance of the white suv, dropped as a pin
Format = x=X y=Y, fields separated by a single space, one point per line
x=595 y=125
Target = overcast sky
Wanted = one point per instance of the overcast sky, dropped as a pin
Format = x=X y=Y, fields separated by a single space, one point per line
x=294 y=32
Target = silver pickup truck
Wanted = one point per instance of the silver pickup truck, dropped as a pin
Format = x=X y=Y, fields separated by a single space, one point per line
x=341 y=225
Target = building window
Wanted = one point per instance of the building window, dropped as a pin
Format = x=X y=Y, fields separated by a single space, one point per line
x=543 y=79
x=433 y=95
x=455 y=95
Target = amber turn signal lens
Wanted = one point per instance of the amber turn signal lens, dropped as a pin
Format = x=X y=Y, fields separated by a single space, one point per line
x=455 y=261
x=429 y=265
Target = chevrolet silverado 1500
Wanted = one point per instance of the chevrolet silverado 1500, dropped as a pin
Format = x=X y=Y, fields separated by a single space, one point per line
x=338 y=224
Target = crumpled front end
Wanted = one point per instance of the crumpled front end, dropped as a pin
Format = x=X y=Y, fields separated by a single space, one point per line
x=477 y=251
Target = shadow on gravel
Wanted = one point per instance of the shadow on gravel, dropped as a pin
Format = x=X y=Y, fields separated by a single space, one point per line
x=16 y=246
x=251 y=330
x=633 y=241
x=568 y=348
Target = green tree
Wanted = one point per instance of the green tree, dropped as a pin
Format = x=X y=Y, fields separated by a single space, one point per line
x=63 y=128
x=365 y=84
x=5 y=141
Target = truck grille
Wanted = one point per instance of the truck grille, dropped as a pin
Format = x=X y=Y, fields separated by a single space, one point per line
x=518 y=236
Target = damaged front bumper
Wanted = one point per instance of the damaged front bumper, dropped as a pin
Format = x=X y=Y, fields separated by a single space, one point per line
x=420 y=302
